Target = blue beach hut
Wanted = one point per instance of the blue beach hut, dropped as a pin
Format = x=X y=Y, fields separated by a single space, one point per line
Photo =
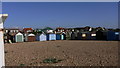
x=41 y=37
x=51 y=36
x=110 y=35
x=58 y=37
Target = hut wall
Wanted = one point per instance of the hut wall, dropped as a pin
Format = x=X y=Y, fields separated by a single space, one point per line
x=31 y=38
x=110 y=35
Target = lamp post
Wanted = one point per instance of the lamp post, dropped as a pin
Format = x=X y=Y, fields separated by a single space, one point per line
x=2 y=20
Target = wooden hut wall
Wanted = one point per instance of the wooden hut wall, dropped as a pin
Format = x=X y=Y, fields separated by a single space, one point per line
x=31 y=38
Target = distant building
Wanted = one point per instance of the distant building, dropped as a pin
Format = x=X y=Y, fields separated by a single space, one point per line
x=60 y=30
x=11 y=30
x=9 y=34
x=28 y=30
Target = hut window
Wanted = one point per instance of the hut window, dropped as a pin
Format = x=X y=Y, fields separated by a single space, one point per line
x=83 y=35
x=93 y=34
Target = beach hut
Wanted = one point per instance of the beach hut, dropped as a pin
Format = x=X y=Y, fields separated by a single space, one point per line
x=31 y=37
x=73 y=36
x=63 y=36
x=43 y=37
x=110 y=35
x=58 y=37
x=19 y=37
x=51 y=36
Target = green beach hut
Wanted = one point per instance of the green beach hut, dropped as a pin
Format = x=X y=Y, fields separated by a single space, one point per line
x=19 y=37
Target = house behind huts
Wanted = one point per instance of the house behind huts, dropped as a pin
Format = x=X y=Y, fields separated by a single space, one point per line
x=9 y=34
x=26 y=32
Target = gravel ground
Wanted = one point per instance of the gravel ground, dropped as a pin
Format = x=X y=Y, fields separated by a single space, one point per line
x=71 y=52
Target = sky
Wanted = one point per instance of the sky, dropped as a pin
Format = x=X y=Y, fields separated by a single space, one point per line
x=61 y=14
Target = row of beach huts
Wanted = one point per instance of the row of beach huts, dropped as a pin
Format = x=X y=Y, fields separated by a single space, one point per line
x=61 y=34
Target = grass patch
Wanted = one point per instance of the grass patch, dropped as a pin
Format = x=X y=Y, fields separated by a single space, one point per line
x=22 y=64
x=51 y=60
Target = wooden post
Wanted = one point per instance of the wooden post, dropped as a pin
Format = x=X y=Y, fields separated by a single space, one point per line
x=2 y=59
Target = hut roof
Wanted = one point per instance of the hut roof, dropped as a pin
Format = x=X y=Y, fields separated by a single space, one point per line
x=31 y=35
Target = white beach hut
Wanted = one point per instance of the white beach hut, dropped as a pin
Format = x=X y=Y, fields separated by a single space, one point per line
x=43 y=37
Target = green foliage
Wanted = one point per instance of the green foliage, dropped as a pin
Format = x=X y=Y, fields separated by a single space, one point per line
x=51 y=60
x=22 y=64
